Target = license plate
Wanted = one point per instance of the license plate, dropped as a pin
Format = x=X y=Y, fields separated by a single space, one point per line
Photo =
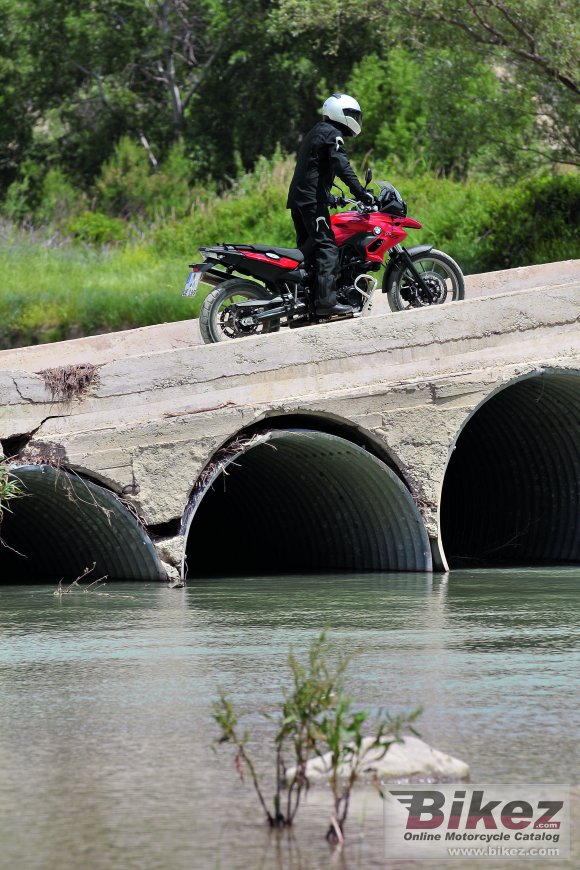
x=192 y=283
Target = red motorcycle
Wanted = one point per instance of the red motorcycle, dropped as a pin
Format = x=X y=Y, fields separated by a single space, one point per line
x=260 y=288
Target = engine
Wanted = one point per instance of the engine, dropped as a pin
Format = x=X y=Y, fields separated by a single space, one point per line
x=359 y=293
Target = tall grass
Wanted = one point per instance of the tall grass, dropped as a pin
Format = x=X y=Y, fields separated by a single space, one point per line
x=50 y=294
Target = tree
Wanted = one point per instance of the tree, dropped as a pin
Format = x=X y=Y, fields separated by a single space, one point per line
x=538 y=33
x=16 y=118
x=531 y=45
x=144 y=59
x=97 y=70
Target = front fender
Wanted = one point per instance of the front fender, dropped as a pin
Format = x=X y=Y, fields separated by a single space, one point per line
x=395 y=262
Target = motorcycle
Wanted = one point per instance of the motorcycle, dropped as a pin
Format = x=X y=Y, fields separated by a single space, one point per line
x=261 y=288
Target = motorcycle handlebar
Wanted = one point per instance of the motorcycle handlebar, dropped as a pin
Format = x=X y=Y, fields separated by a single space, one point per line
x=341 y=201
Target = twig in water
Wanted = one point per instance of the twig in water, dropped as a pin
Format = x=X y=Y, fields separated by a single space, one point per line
x=66 y=590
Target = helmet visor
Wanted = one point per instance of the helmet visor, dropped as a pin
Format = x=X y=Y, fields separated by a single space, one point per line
x=355 y=114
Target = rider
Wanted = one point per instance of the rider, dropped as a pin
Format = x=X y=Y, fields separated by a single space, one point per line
x=321 y=157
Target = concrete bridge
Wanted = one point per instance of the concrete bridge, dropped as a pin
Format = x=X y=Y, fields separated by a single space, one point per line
x=435 y=438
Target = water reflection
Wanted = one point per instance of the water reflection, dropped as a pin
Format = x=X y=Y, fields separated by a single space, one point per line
x=105 y=737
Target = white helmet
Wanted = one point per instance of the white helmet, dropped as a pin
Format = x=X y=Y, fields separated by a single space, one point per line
x=344 y=110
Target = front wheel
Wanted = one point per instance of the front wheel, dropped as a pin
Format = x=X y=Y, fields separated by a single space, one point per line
x=218 y=318
x=441 y=274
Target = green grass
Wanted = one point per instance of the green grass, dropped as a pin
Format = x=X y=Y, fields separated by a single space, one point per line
x=51 y=294
x=9 y=487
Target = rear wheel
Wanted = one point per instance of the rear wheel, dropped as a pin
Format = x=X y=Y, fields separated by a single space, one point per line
x=441 y=274
x=219 y=320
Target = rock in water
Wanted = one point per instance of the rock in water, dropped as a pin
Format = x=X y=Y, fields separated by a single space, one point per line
x=410 y=760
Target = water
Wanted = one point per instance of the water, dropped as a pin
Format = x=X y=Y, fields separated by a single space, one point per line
x=105 y=715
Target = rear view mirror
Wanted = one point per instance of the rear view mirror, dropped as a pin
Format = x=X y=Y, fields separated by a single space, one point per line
x=368 y=176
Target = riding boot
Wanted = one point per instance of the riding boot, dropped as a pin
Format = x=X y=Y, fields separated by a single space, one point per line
x=325 y=291
x=326 y=304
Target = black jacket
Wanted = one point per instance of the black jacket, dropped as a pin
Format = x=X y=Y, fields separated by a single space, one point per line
x=322 y=157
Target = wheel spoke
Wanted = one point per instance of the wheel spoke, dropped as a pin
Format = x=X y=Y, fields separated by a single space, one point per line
x=228 y=322
x=438 y=274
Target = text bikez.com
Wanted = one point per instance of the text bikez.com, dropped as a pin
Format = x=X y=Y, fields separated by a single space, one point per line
x=491 y=821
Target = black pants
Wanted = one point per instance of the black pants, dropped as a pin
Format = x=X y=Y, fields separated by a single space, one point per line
x=312 y=223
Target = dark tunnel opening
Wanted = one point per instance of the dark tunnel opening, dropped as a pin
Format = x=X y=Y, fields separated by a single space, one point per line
x=511 y=493
x=63 y=523
x=297 y=501
x=325 y=424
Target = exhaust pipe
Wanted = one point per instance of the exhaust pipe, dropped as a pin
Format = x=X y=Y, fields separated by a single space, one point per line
x=213 y=279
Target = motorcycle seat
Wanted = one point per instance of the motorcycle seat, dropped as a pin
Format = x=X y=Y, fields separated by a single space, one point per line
x=291 y=253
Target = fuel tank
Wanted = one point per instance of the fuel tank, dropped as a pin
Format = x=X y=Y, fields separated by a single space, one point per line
x=376 y=230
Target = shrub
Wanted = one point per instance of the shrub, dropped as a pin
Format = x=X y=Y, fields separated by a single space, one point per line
x=23 y=194
x=96 y=228
x=129 y=186
x=122 y=186
x=58 y=199
x=315 y=717
x=254 y=210
x=534 y=222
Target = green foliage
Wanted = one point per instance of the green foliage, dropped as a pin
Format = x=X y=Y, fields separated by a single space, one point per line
x=431 y=110
x=96 y=228
x=455 y=215
x=253 y=210
x=538 y=34
x=131 y=187
x=121 y=188
x=199 y=89
x=59 y=199
x=341 y=731
x=395 y=122
x=10 y=489
x=41 y=196
x=519 y=55
x=16 y=119
x=23 y=194
x=314 y=691
x=535 y=221
x=316 y=717
x=52 y=294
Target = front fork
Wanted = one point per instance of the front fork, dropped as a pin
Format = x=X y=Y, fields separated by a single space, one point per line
x=403 y=257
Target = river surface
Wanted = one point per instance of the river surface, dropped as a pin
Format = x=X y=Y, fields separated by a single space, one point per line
x=106 y=733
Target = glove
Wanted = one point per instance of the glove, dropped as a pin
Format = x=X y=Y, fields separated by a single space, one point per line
x=368 y=198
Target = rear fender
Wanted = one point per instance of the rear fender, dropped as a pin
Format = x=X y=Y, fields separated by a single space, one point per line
x=209 y=274
x=395 y=262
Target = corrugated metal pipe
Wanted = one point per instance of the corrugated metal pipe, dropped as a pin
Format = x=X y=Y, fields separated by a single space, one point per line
x=63 y=523
x=290 y=501
x=511 y=493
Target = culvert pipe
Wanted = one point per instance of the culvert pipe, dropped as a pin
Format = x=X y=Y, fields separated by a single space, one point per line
x=64 y=523
x=293 y=501
x=511 y=493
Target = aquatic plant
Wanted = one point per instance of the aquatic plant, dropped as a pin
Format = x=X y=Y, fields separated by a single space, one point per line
x=316 y=719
